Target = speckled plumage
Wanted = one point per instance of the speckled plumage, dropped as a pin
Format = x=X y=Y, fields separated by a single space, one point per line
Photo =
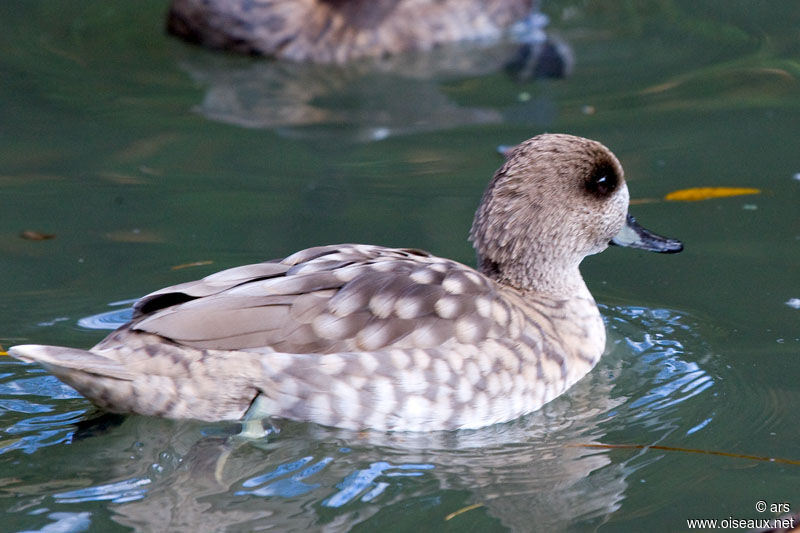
x=337 y=31
x=360 y=336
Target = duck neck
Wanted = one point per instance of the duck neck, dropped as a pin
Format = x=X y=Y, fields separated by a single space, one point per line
x=557 y=280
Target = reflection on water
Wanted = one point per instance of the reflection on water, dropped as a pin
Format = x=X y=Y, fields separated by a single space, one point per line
x=64 y=522
x=109 y=319
x=24 y=404
x=372 y=100
x=532 y=470
x=669 y=377
x=39 y=431
x=361 y=482
x=120 y=492
x=364 y=480
x=688 y=93
x=287 y=487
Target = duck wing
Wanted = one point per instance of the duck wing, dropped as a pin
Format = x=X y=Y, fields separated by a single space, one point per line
x=328 y=299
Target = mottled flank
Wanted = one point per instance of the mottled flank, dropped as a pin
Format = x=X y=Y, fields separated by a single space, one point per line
x=360 y=336
x=336 y=31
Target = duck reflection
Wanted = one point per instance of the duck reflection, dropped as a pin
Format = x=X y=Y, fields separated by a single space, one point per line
x=378 y=97
x=535 y=472
x=309 y=478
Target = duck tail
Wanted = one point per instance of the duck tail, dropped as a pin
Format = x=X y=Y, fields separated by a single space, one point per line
x=70 y=364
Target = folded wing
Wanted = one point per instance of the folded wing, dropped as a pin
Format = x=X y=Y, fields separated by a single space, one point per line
x=325 y=300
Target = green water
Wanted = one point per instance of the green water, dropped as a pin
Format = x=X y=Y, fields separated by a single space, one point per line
x=140 y=154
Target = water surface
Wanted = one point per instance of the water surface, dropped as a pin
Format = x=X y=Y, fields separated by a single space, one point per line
x=153 y=162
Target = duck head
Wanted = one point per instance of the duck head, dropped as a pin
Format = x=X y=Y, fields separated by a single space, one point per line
x=556 y=199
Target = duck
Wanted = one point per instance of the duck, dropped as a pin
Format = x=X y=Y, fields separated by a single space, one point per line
x=339 y=31
x=366 y=337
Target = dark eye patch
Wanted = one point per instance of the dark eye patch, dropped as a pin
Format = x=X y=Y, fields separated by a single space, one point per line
x=603 y=180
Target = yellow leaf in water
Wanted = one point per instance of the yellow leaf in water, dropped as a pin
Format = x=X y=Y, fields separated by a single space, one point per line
x=696 y=194
x=463 y=510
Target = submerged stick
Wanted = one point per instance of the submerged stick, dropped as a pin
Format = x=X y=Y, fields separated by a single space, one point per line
x=688 y=450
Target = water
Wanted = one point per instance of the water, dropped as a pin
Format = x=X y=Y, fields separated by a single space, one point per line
x=154 y=162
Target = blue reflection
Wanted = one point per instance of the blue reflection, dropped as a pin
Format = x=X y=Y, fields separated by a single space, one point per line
x=699 y=426
x=109 y=319
x=64 y=522
x=661 y=360
x=31 y=397
x=42 y=431
x=44 y=385
x=680 y=380
x=293 y=486
x=361 y=480
x=37 y=422
x=127 y=490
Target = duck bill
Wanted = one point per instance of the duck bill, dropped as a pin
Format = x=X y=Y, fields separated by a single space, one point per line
x=633 y=235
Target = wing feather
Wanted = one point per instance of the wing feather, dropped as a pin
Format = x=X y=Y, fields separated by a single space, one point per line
x=323 y=300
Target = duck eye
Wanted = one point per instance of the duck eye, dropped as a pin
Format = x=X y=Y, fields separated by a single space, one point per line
x=602 y=182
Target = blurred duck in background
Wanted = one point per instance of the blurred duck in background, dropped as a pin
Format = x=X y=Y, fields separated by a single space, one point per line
x=338 y=31
x=333 y=49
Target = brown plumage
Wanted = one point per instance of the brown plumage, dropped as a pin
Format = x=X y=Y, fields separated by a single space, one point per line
x=361 y=336
x=337 y=31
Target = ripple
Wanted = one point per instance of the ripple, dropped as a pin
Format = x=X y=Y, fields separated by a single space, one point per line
x=274 y=485
x=652 y=384
x=34 y=409
x=44 y=385
x=364 y=480
x=656 y=372
x=109 y=319
x=64 y=523
x=127 y=490
x=33 y=433
x=360 y=482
